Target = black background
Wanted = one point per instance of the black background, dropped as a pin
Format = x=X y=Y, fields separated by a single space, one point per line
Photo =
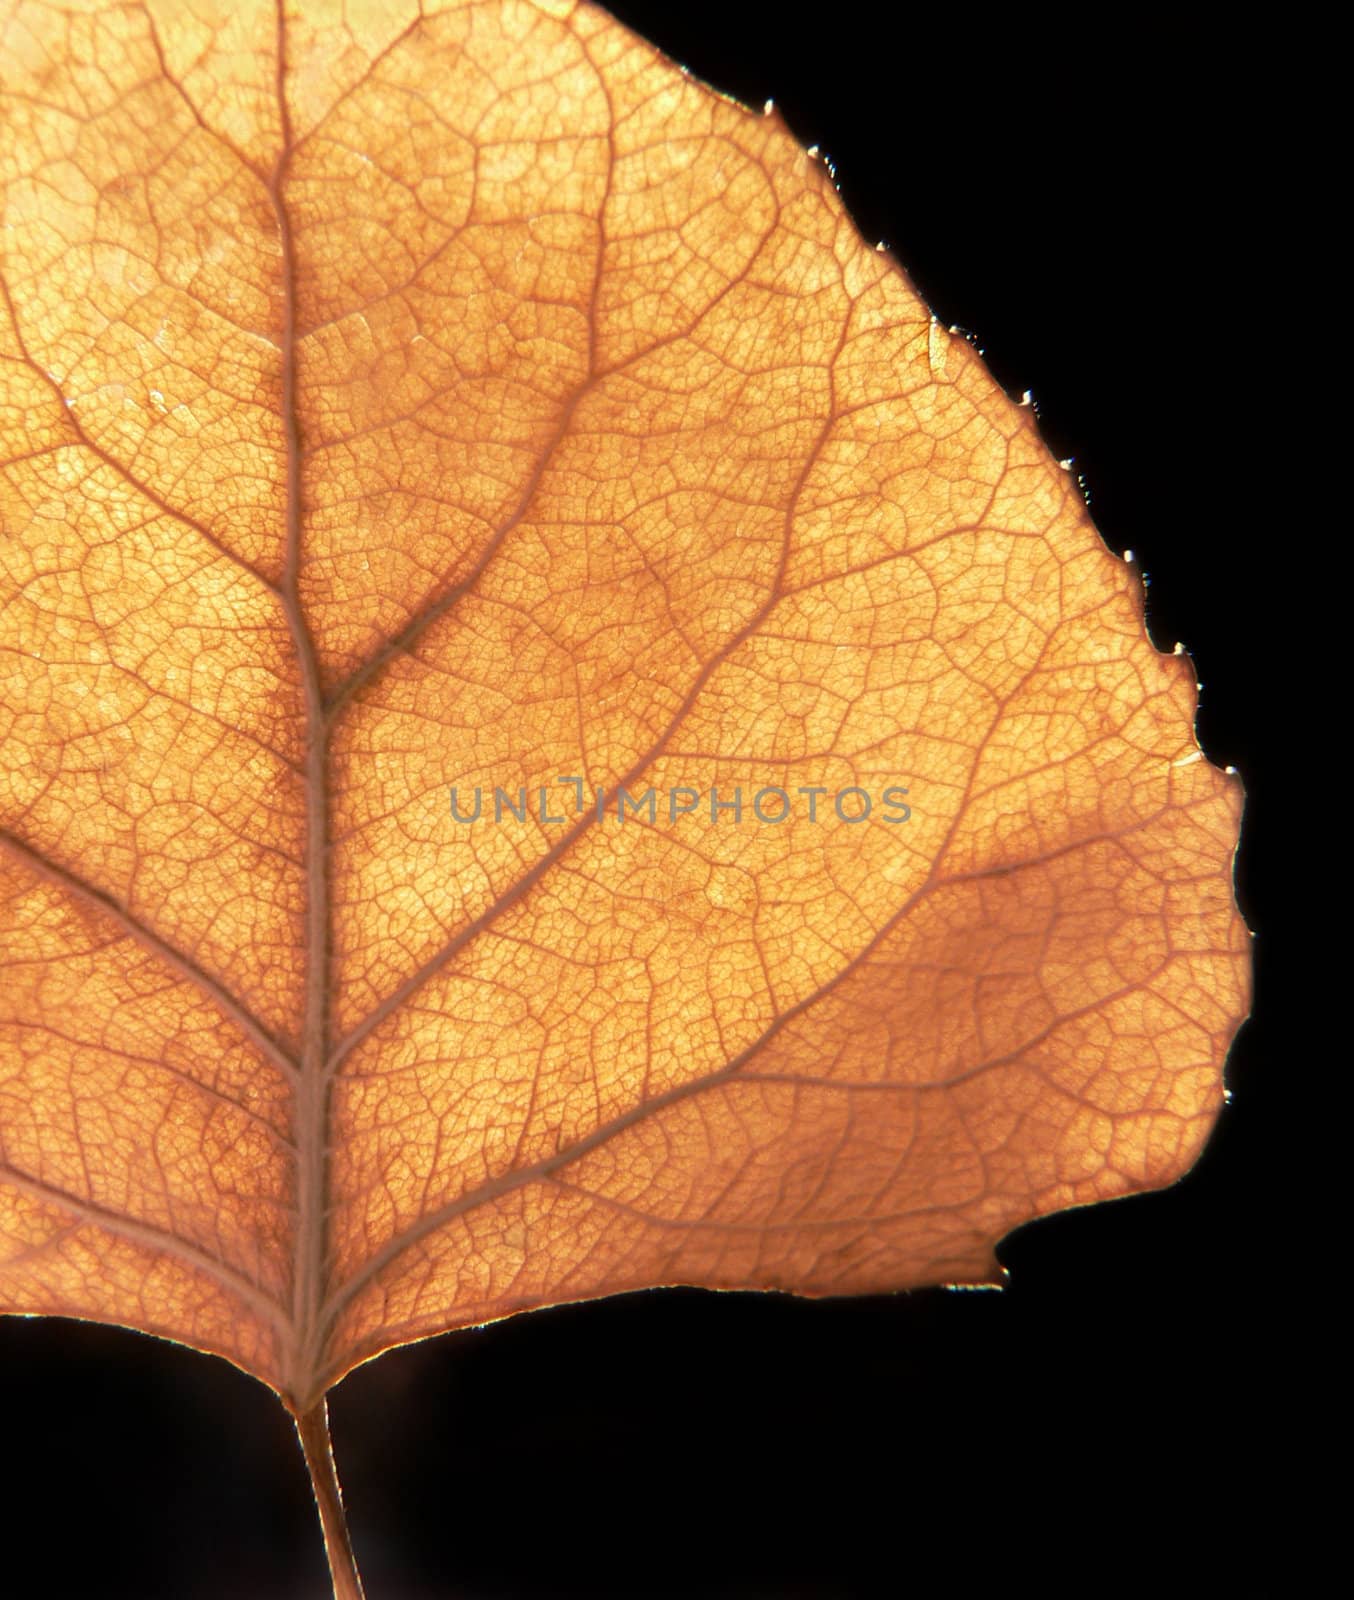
x=1101 y=208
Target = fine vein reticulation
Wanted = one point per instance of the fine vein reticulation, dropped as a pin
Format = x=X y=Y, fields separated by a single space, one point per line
x=400 y=398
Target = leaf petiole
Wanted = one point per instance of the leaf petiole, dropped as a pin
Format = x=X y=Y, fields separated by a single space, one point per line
x=312 y=1428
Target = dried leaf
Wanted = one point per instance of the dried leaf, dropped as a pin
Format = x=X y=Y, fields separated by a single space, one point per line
x=397 y=404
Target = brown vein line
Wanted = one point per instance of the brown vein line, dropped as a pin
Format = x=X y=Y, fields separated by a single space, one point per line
x=312 y=1097
x=794 y=1225
x=191 y=105
x=1006 y=869
x=178 y=1074
x=509 y=1181
x=979 y=1069
x=369 y=73
x=650 y=1219
x=402 y=642
x=182 y=964
x=150 y=1237
x=511 y=896
x=495 y=1188
x=85 y=442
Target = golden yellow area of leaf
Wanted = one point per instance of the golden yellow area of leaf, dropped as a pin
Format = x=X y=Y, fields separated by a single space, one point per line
x=398 y=400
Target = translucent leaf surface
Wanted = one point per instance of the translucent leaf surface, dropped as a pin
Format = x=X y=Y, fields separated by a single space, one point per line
x=396 y=402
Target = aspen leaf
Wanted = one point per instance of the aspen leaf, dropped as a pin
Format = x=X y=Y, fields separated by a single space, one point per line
x=402 y=405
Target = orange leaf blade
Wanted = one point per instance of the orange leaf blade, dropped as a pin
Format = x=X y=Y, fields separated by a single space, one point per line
x=421 y=404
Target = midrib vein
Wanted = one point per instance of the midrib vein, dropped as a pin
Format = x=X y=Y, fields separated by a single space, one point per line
x=311 y=1093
